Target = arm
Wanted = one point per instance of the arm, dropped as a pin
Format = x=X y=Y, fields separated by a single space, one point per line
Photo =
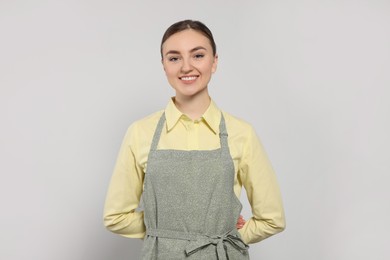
x=263 y=193
x=124 y=192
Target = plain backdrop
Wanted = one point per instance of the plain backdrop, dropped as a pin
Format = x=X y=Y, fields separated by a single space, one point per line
x=312 y=77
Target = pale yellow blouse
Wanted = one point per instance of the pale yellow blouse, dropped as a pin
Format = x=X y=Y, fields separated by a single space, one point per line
x=252 y=170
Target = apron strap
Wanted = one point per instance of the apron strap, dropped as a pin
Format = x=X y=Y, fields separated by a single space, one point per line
x=200 y=241
x=157 y=133
x=223 y=135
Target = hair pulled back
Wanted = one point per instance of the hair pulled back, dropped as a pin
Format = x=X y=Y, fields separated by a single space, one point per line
x=189 y=24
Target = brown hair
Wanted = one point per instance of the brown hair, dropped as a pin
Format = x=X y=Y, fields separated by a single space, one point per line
x=185 y=25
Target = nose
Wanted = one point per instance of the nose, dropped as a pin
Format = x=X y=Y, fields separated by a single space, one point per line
x=186 y=66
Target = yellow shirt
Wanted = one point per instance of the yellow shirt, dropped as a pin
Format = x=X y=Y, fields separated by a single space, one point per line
x=252 y=170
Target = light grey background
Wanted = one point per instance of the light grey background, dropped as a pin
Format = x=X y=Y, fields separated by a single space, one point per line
x=311 y=76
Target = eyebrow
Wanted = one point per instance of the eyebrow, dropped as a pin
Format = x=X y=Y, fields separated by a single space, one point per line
x=192 y=50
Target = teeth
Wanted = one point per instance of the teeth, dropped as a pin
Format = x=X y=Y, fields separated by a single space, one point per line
x=188 y=78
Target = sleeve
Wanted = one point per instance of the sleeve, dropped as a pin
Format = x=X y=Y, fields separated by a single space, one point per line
x=263 y=193
x=125 y=190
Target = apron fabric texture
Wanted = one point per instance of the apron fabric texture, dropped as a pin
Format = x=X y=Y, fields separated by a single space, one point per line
x=190 y=208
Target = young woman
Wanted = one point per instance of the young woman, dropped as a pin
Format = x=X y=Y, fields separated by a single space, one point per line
x=189 y=162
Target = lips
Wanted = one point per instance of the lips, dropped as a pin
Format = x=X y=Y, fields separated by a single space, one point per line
x=188 y=78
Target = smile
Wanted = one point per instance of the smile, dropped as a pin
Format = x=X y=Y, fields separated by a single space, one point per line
x=188 y=78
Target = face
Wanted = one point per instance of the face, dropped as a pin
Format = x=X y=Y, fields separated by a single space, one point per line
x=188 y=62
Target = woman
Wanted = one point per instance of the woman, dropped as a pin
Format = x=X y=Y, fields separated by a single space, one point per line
x=189 y=163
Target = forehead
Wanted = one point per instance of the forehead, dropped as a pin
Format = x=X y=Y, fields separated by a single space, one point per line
x=185 y=41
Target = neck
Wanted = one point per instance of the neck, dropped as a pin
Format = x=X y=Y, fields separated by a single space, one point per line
x=195 y=106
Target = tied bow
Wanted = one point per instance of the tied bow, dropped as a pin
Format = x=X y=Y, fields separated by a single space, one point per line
x=219 y=241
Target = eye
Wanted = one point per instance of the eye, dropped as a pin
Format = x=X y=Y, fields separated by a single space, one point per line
x=173 y=58
x=198 y=56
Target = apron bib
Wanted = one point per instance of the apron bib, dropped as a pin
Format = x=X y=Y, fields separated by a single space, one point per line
x=190 y=209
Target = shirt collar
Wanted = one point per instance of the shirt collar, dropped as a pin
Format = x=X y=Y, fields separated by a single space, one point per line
x=212 y=116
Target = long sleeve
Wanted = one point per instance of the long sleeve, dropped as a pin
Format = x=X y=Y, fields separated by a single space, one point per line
x=259 y=181
x=125 y=190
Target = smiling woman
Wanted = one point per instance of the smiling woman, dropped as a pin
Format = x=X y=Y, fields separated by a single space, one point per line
x=186 y=165
x=189 y=62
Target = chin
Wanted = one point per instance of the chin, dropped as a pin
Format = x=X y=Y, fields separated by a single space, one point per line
x=187 y=92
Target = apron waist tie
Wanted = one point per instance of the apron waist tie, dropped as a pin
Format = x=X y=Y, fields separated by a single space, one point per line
x=199 y=241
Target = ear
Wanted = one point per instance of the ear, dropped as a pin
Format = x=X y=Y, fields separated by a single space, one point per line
x=215 y=63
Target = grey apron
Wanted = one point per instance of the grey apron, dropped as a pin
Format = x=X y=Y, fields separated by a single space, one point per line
x=190 y=209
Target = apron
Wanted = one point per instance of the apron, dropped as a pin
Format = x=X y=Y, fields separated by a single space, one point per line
x=190 y=209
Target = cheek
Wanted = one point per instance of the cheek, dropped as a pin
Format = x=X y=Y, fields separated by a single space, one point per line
x=171 y=76
x=209 y=68
x=170 y=71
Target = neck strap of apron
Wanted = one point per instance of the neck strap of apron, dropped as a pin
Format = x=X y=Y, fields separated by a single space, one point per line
x=223 y=135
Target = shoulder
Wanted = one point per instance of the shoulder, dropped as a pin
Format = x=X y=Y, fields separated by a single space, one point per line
x=236 y=125
x=144 y=127
x=241 y=136
x=148 y=121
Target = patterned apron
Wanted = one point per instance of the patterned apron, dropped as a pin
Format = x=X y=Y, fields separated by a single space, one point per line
x=190 y=209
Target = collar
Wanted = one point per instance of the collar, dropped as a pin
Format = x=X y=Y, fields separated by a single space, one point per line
x=212 y=116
